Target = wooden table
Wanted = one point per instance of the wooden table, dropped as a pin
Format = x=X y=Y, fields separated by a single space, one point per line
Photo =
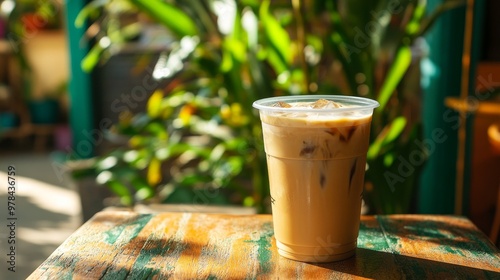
x=128 y=245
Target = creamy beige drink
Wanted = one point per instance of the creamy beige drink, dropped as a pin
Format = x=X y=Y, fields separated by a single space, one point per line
x=316 y=155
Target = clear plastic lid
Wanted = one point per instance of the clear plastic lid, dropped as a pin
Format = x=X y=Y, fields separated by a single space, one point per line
x=319 y=107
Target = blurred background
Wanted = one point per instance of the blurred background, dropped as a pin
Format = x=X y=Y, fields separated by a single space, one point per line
x=136 y=103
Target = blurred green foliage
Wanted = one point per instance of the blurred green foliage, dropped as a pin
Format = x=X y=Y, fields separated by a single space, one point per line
x=25 y=18
x=199 y=141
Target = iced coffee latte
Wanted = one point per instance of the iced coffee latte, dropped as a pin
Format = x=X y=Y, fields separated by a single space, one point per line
x=316 y=153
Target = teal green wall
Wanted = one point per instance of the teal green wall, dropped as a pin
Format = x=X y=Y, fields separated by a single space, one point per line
x=81 y=120
x=437 y=184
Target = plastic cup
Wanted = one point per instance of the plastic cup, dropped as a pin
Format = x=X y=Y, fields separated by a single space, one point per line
x=316 y=163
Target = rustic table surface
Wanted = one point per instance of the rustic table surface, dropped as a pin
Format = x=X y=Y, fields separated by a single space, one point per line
x=128 y=245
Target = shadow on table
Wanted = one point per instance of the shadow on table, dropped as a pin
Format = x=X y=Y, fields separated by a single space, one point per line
x=454 y=238
x=158 y=258
x=383 y=265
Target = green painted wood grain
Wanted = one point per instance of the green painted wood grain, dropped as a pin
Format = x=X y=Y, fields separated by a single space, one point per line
x=186 y=246
x=137 y=223
x=263 y=244
x=451 y=249
x=371 y=237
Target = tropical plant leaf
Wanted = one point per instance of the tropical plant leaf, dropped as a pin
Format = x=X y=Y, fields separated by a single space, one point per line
x=143 y=189
x=395 y=74
x=402 y=58
x=278 y=37
x=413 y=26
x=169 y=15
x=90 y=11
x=92 y=58
x=390 y=133
x=157 y=130
x=122 y=191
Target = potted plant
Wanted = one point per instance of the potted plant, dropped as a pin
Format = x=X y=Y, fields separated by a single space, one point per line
x=26 y=18
x=48 y=108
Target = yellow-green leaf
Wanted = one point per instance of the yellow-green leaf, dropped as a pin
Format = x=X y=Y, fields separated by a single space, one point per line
x=154 y=104
x=158 y=130
x=154 y=172
x=92 y=58
x=396 y=72
x=390 y=133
